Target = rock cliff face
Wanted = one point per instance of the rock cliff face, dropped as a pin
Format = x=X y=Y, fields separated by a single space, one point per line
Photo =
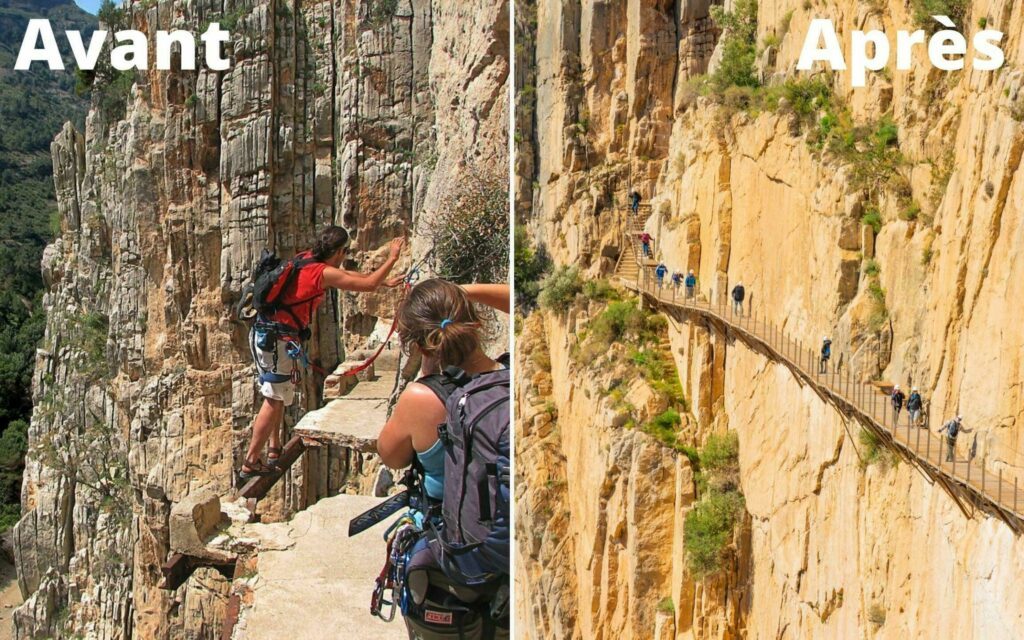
x=357 y=112
x=742 y=191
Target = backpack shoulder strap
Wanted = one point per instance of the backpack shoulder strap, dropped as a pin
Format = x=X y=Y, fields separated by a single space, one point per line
x=440 y=384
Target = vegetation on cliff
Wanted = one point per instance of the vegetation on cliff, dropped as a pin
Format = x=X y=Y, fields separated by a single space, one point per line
x=530 y=266
x=711 y=523
x=34 y=105
x=469 y=234
x=628 y=340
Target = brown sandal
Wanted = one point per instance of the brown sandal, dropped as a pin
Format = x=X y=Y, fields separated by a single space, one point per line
x=251 y=470
x=273 y=456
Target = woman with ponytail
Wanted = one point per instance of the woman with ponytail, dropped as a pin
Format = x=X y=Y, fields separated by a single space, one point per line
x=438 y=318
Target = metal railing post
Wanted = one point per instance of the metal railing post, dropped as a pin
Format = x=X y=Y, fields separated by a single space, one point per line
x=928 y=445
x=969 y=471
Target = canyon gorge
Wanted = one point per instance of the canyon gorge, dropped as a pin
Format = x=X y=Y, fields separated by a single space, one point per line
x=363 y=113
x=888 y=218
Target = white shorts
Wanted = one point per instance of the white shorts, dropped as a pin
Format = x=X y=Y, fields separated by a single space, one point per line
x=275 y=363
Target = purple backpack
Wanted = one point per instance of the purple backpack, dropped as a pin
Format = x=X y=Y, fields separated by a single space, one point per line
x=472 y=542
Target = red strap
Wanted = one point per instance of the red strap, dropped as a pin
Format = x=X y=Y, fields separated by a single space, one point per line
x=369 y=361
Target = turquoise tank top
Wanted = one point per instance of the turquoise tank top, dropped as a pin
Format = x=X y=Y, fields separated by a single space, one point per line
x=433 y=470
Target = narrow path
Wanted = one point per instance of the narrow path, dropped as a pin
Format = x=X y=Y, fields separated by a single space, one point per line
x=965 y=479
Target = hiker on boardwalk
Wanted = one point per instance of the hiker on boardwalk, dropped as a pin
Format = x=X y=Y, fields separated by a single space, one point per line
x=691 y=285
x=438 y=321
x=738 y=294
x=645 y=240
x=660 y=272
x=289 y=293
x=952 y=429
x=634 y=202
x=914 y=405
x=826 y=353
x=677 y=279
x=897 y=398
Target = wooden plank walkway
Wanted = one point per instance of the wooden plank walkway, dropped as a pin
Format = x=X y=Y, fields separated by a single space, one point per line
x=965 y=478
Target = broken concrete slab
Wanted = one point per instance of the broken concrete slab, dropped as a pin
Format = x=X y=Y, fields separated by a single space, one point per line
x=350 y=422
x=194 y=521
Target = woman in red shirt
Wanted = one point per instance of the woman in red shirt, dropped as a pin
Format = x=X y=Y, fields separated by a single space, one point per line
x=319 y=270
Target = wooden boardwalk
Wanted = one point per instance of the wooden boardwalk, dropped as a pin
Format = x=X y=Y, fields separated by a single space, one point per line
x=964 y=478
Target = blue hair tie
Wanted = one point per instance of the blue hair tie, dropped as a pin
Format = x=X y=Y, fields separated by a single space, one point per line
x=445 y=323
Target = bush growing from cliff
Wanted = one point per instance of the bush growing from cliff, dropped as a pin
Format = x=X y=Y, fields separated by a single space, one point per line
x=708 y=529
x=710 y=524
x=600 y=290
x=739 y=46
x=664 y=426
x=559 y=290
x=530 y=266
x=924 y=10
x=470 y=232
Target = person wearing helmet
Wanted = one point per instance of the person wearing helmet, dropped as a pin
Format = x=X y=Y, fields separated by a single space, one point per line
x=691 y=284
x=897 y=398
x=914 y=405
x=952 y=429
x=826 y=353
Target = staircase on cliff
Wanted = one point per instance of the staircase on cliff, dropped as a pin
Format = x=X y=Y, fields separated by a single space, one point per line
x=966 y=479
x=631 y=256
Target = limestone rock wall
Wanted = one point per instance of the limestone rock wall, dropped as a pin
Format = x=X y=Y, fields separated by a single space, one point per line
x=600 y=511
x=742 y=196
x=356 y=112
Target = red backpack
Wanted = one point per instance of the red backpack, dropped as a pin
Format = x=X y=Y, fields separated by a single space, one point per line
x=271 y=278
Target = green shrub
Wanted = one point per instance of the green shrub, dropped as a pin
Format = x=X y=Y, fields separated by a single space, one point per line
x=911 y=212
x=870 y=445
x=666 y=605
x=871 y=268
x=470 y=232
x=530 y=267
x=720 y=452
x=559 y=290
x=382 y=11
x=923 y=10
x=708 y=528
x=664 y=427
x=739 y=46
x=600 y=290
x=873 y=219
x=873 y=451
x=619 y=320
